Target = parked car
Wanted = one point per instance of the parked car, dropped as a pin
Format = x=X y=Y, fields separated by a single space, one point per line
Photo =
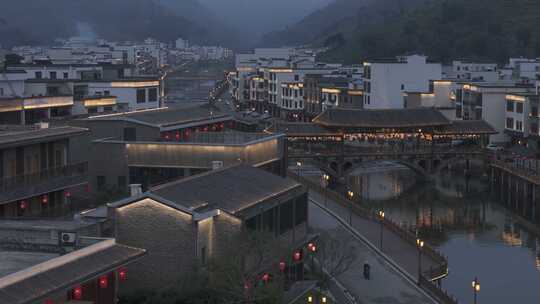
x=494 y=148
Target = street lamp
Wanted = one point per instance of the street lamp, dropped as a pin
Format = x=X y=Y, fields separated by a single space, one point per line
x=476 y=288
x=350 y=195
x=299 y=165
x=381 y=217
x=420 y=245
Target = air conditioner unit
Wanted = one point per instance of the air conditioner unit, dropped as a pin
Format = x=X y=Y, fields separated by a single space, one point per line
x=68 y=238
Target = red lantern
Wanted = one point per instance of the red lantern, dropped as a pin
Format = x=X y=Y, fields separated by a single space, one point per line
x=23 y=205
x=177 y=135
x=167 y=136
x=103 y=282
x=312 y=247
x=282 y=266
x=67 y=193
x=266 y=278
x=77 y=293
x=49 y=301
x=87 y=187
x=44 y=199
x=297 y=255
x=122 y=274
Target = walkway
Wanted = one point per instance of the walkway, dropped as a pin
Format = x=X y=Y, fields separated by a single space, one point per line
x=386 y=285
x=399 y=250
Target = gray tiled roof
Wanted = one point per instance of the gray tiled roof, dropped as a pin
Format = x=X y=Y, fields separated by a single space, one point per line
x=17 y=137
x=231 y=189
x=391 y=118
x=464 y=127
x=36 y=287
x=170 y=116
x=299 y=129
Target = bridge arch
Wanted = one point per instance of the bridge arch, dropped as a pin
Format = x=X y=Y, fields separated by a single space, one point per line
x=411 y=164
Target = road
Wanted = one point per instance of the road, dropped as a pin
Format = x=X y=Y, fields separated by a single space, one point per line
x=385 y=285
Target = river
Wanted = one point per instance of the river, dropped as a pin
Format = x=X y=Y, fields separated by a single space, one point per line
x=479 y=236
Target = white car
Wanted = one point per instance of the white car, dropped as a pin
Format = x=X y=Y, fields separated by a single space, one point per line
x=494 y=147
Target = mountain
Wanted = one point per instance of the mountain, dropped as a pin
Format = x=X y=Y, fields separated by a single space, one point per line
x=253 y=18
x=339 y=20
x=442 y=29
x=31 y=21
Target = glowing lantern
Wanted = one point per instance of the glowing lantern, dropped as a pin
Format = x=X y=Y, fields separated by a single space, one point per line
x=312 y=247
x=67 y=193
x=122 y=274
x=103 y=282
x=282 y=266
x=177 y=135
x=23 y=205
x=297 y=255
x=44 y=199
x=77 y=293
x=266 y=278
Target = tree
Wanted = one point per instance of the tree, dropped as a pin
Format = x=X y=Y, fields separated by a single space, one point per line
x=248 y=269
x=335 y=254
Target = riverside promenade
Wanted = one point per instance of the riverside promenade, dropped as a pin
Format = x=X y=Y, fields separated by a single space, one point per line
x=422 y=265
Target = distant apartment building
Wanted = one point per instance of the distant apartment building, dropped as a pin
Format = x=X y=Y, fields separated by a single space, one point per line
x=473 y=71
x=441 y=95
x=187 y=223
x=525 y=68
x=385 y=80
x=488 y=101
x=329 y=91
x=522 y=119
x=37 y=174
x=292 y=107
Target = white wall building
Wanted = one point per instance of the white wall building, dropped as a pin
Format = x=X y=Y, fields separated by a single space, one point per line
x=385 y=81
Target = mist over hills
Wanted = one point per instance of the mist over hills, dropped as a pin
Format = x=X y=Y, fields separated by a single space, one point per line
x=40 y=22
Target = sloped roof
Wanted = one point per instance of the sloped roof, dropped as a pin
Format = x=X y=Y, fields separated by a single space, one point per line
x=388 y=118
x=230 y=189
x=464 y=127
x=10 y=137
x=36 y=283
x=299 y=129
x=166 y=117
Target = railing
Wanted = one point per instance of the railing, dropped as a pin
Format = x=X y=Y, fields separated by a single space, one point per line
x=524 y=171
x=27 y=180
x=437 y=291
x=427 y=250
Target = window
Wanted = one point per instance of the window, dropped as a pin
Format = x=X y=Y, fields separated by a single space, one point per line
x=66 y=75
x=286 y=217
x=203 y=255
x=534 y=128
x=296 y=77
x=141 y=96
x=130 y=134
x=509 y=123
x=52 y=75
x=39 y=75
x=107 y=93
x=301 y=210
x=402 y=87
x=534 y=111
x=101 y=181
x=1 y=91
x=509 y=106
x=519 y=107
x=519 y=125
x=152 y=95
x=92 y=110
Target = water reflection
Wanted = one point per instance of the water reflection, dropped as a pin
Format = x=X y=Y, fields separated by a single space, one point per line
x=479 y=236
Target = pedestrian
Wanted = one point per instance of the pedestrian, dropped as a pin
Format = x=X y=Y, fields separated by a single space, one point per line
x=367 y=270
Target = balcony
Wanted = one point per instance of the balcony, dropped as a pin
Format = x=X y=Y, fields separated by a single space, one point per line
x=53 y=179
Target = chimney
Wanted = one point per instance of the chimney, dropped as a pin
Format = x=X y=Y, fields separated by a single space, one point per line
x=135 y=189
